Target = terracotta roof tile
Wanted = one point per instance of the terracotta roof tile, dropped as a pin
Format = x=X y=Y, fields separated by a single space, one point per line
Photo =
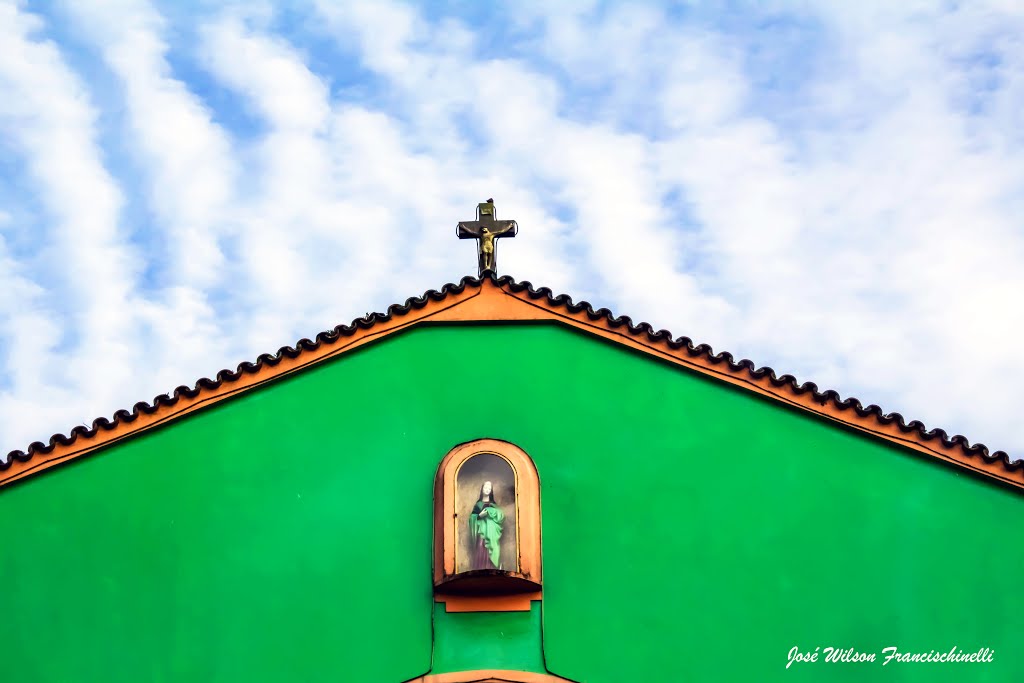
x=641 y=331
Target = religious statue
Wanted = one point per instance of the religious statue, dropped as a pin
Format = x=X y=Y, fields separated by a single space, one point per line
x=485 y=530
x=486 y=249
x=486 y=229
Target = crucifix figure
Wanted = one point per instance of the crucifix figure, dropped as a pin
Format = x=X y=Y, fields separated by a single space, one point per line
x=486 y=230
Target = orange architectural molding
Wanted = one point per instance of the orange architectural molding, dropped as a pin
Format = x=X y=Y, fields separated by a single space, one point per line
x=503 y=299
x=513 y=602
x=490 y=676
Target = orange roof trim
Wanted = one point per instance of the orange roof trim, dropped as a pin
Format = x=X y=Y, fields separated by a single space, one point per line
x=503 y=299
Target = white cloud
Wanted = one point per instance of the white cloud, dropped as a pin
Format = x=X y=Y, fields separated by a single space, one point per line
x=185 y=157
x=46 y=116
x=853 y=220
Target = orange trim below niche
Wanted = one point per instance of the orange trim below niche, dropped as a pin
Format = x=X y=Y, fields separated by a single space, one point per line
x=490 y=676
x=517 y=602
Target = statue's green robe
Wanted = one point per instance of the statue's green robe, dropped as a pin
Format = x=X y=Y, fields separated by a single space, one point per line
x=487 y=527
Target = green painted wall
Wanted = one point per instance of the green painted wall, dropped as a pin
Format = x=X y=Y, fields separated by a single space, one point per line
x=691 y=532
x=494 y=640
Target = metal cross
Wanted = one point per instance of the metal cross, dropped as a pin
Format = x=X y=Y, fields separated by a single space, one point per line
x=486 y=230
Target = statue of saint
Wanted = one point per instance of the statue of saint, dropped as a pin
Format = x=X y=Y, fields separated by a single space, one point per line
x=485 y=530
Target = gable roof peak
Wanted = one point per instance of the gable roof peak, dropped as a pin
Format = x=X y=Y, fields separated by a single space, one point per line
x=501 y=298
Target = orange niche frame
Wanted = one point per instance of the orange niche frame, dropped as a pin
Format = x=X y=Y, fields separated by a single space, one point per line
x=487 y=589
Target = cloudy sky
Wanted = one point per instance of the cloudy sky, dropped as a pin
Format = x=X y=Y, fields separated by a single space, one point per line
x=832 y=189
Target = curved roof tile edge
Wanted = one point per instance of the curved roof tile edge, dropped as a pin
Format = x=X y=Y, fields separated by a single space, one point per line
x=764 y=376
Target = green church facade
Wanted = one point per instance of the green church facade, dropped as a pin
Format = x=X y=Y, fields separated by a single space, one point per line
x=693 y=529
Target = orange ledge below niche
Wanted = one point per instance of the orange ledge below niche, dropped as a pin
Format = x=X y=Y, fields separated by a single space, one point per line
x=490 y=676
x=519 y=602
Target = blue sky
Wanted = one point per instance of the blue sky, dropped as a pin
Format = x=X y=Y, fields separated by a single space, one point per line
x=832 y=189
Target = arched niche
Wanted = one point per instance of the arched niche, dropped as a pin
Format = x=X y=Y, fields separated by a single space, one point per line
x=487 y=521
